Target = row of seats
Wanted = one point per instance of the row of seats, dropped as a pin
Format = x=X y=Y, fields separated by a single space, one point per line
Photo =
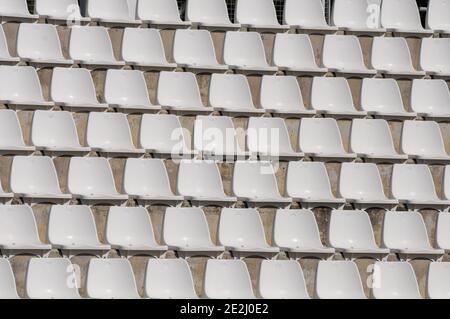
x=90 y=180
x=223 y=279
x=129 y=230
x=304 y=15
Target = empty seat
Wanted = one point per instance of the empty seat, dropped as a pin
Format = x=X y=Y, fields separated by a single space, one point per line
x=130 y=230
x=200 y=183
x=321 y=138
x=51 y=278
x=169 y=279
x=162 y=14
x=55 y=133
x=438 y=280
x=405 y=234
x=438 y=16
x=443 y=224
x=407 y=23
x=91 y=47
x=350 y=232
x=210 y=14
x=111 y=13
x=446 y=183
x=8 y=289
x=11 y=137
x=413 y=185
x=281 y=96
x=34 y=179
x=19 y=232
x=244 y=53
x=230 y=94
x=216 y=138
x=294 y=54
x=111 y=278
x=38 y=44
x=116 y=142
x=282 y=279
x=74 y=90
x=163 y=135
x=361 y=185
x=434 y=59
x=72 y=230
x=308 y=184
x=186 y=100
x=381 y=147
x=381 y=98
x=394 y=280
x=268 y=138
x=307 y=15
x=5 y=56
x=431 y=99
x=422 y=141
x=194 y=51
x=16 y=11
x=259 y=15
x=392 y=58
x=146 y=180
x=60 y=11
x=21 y=89
x=144 y=49
x=356 y=17
x=342 y=55
x=333 y=97
x=255 y=183
x=186 y=231
x=338 y=279
x=90 y=180
x=297 y=233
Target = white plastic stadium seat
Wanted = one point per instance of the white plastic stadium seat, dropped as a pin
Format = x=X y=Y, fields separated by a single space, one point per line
x=308 y=184
x=381 y=98
x=39 y=45
x=446 y=186
x=307 y=16
x=90 y=180
x=321 y=138
x=392 y=58
x=16 y=11
x=333 y=97
x=438 y=16
x=255 y=183
x=210 y=14
x=282 y=279
x=116 y=142
x=434 y=59
x=11 y=137
x=143 y=49
x=21 y=89
x=169 y=279
x=431 y=99
x=8 y=289
x=19 y=232
x=438 y=280
x=405 y=233
x=230 y=94
x=51 y=278
x=342 y=55
x=413 y=185
x=200 y=183
x=351 y=233
x=294 y=54
x=241 y=231
x=90 y=46
x=244 y=52
x=338 y=279
x=111 y=278
x=74 y=90
x=194 y=51
x=227 y=279
x=34 y=179
x=162 y=14
x=130 y=230
x=443 y=222
x=394 y=280
x=111 y=13
x=296 y=232
x=55 y=133
x=381 y=147
x=5 y=56
x=72 y=230
x=186 y=231
x=281 y=96
x=60 y=11
x=258 y=15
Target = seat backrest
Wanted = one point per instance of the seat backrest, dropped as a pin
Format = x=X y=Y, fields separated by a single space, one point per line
x=321 y=135
x=187 y=93
x=230 y=91
x=18 y=226
x=10 y=129
x=434 y=55
x=377 y=131
x=73 y=86
x=361 y=181
x=194 y=47
x=90 y=43
x=14 y=7
x=8 y=289
x=438 y=14
x=126 y=88
x=109 y=9
x=391 y=54
x=413 y=182
x=20 y=83
x=207 y=11
x=281 y=93
x=268 y=135
x=244 y=49
x=430 y=96
x=305 y=13
x=395 y=280
x=255 y=179
x=354 y=14
x=438 y=279
x=143 y=46
x=38 y=41
x=442 y=234
x=308 y=180
x=62 y=9
x=158 y=10
x=446 y=184
x=257 y=12
x=99 y=132
x=293 y=51
x=342 y=52
x=331 y=94
x=423 y=138
x=408 y=20
x=381 y=95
